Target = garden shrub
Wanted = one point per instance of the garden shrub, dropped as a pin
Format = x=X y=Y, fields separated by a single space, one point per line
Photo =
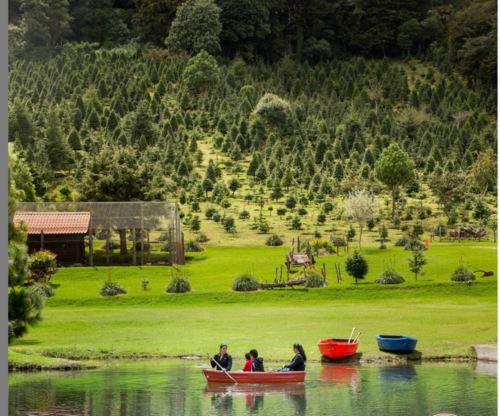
x=165 y=247
x=163 y=237
x=402 y=241
x=192 y=246
x=179 y=284
x=389 y=277
x=101 y=235
x=321 y=247
x=111 y=287
x=315 y=280
x=462 y=274
x=414 y=245
x=138 y=245
x=202 y=238
x=274 y=241
x=113 y=245
x=210 y=212
x=337 y=241
x=43 y=289
x=145 y=283
x=244 y=215
x=245 y=283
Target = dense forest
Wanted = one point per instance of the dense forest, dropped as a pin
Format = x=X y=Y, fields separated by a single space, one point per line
x=287 y=101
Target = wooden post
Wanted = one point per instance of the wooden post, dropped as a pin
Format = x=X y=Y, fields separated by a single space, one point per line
x=91 y=246
x=142 y=235
x=134 y=251
x=149 y=248
x=494 y=235
x=281 y=273
x=41 y=239
x=340 y=272
x=298 y=244
x=107 y=247
x=439 y=234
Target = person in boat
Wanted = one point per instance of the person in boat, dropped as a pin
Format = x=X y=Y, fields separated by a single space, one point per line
x=257 y=362
x=223 y=358
x=248 y=363
x=298 y=362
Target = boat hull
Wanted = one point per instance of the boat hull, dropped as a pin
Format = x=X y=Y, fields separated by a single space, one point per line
x=214 y=376
x=337 y=348
x=396 y=343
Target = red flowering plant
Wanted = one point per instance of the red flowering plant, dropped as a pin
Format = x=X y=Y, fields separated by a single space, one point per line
x=44 y=260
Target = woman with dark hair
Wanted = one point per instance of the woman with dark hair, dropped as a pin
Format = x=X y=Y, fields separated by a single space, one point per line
x=298 y=362
x=222 y=358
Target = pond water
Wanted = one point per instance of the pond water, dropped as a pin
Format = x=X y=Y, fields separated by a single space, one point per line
x=177 y=387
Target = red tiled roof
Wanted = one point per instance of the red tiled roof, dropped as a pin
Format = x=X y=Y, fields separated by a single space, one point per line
x=54 y=222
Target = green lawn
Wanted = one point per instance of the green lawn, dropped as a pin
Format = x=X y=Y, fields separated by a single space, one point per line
x=446 y=317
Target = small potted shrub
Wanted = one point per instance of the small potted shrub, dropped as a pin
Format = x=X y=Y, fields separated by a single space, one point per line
x=42 y=289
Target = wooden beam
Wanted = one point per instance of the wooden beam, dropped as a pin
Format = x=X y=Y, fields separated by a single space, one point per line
x=107 y=247
x=149 y=248
x=41 y=239
x=134 y=251
x=91 y=246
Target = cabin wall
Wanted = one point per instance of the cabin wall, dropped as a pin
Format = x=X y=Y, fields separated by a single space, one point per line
x=68 y=247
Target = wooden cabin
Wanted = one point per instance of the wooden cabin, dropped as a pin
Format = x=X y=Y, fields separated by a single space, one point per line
x=63 y=233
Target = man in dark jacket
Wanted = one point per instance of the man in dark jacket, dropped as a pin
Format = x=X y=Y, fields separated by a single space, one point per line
x=223 y=358
x=257 y=362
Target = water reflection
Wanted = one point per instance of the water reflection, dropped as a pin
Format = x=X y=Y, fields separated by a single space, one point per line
x=158 y=388
x=222 y=395
x=397 y=372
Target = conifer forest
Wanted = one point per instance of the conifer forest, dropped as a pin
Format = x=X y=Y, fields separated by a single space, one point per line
x=258 y=115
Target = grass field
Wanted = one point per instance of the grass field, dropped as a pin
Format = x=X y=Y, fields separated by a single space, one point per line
x=446 y=317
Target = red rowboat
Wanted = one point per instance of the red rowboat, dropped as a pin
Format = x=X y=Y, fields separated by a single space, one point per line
x=214 y=376
x=337 y=348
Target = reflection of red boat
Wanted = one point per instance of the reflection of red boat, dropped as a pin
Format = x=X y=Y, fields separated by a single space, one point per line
x=337 y=348
x=287 y=389
x=214 y=376
x=339 y=373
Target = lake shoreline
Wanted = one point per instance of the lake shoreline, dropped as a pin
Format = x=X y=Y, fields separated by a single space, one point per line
x=32 y=362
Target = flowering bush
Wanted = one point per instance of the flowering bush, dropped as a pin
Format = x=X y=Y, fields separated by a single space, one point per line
x=43 y=259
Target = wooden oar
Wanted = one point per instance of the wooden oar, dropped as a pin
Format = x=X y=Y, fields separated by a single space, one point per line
x=225 y=372
x=357 y=337
x=350 y=336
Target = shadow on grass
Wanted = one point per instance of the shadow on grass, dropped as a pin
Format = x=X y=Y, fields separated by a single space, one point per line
x=25 y=342
x=195 y=259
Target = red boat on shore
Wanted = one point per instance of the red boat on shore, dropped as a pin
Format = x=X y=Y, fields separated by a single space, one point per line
x=214 y=376
x=337 y=348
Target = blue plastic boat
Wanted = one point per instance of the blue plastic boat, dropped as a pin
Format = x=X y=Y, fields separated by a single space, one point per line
x=396 y=343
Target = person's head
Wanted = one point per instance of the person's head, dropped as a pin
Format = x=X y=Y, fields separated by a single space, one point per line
x=247 y=356
x=254 y=353
x=223 y=348
x=297 y=348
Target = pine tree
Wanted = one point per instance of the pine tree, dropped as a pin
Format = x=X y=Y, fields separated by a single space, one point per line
x=276 y=192
x=74 y=141
x=24 y=305
x=94 y=122
x=57 y=149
